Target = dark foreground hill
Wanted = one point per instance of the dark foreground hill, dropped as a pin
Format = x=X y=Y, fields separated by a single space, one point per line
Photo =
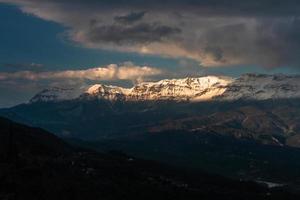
x=34 y=164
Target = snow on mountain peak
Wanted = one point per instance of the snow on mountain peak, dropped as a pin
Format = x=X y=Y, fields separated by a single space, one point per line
x=202 y=88
x=94 y=89
x=262 y=87
x=196 y=89
x=107 y=92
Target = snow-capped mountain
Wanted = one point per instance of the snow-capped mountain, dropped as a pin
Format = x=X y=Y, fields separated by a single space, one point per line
x=57 y=94
x=262 y=87
x=248 y=86
x=203 y=88
x=107 y=92
x=175 y=89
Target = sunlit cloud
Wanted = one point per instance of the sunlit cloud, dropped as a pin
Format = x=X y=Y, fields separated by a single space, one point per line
x=112 y=72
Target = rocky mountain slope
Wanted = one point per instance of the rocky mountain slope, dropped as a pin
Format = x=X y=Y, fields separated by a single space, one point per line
x=275 y=124
x=272 y=121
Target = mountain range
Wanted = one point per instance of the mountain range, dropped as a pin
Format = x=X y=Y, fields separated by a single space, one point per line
x=263 y=108
x=248 y=86
x=229 y=126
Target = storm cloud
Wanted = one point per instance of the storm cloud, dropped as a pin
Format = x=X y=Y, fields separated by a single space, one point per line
x=130 y=18
x=213 y=32
x=139 y=34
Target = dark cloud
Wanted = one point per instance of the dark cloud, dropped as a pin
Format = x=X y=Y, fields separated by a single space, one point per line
x=136 y=34
x=268 y=43
x=215 y=51
x=130 y=18
x=205 y=7
x=212 y=32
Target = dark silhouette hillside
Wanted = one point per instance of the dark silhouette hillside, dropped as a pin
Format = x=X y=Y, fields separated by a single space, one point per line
x=35 y=164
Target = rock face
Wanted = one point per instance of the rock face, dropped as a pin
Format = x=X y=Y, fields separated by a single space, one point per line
x=247 y=87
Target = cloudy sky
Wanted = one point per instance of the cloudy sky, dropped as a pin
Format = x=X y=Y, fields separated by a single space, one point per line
x=47 y=43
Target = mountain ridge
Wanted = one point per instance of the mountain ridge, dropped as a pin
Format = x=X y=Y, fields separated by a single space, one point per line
x=206 y=88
